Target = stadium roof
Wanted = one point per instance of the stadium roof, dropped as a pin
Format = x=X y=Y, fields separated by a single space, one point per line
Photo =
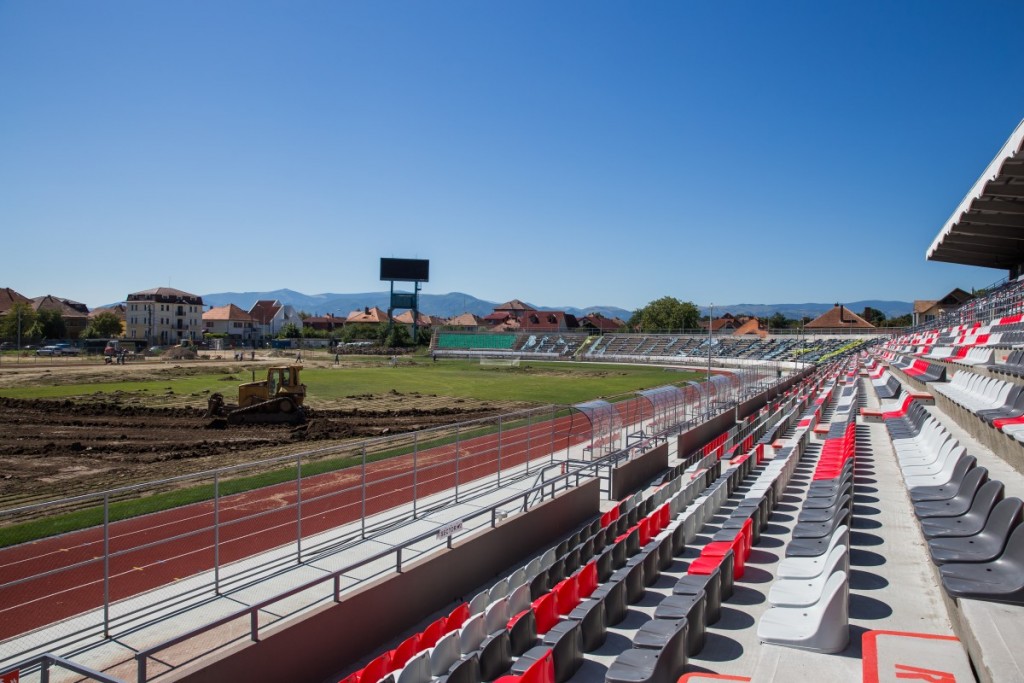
x=987 y=229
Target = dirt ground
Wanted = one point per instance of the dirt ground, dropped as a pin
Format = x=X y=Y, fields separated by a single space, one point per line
x=56 y=449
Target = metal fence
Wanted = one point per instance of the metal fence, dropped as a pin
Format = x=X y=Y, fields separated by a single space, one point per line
x=95 y=582
x=283 y=504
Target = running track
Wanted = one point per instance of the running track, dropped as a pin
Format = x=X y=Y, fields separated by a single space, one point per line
x=161 y=548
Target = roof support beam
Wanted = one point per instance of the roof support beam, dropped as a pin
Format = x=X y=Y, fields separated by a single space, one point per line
x=1003 y=190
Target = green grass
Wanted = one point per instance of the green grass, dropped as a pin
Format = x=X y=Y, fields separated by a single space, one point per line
x=541 y=383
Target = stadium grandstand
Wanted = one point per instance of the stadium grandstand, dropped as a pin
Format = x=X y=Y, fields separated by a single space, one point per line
x=834 y=508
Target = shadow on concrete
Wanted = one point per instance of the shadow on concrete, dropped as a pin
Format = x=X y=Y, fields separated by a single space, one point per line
x=742 y=595
x=733 y=620
x=861 y=538
x=862 y=523
x=863 y=607
x=867 y=581
x=865 y=558
x=756 y=575
x=720 y=648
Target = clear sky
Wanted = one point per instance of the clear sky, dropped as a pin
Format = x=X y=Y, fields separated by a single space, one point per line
x=563 y=153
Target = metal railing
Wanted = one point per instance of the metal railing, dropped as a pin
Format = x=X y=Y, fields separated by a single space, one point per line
x=222 y=516
x=43 y=663
x=489 y=515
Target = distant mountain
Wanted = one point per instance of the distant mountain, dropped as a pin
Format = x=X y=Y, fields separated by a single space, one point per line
x=891 y=309
x=441 y=305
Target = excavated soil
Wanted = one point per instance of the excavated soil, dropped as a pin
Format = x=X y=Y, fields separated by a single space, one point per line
x=57 y=449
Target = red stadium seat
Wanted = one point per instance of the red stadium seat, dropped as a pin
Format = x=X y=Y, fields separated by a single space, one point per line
x=545 y=609
x=541 y=671
x=377 y=669
x=401 y=654
x=433 y=633
x=457 y=617
x=586 y=580
x=567 y=595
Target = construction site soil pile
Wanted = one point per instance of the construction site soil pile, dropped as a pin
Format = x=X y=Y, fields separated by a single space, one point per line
x=56 y=449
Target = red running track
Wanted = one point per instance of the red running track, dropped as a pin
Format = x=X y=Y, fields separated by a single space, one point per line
x=161 y=548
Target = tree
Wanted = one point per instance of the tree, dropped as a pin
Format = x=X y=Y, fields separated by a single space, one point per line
x=103 y=324
x=290 y=331
x=20 y=313
x=49 y=325
x=397 y=336
x=873 y=316
x=361 y=332
x=900 y=321
x=666 y=313
x=778 y=321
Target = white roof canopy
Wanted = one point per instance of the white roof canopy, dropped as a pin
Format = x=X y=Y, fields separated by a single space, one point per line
x=987 y=229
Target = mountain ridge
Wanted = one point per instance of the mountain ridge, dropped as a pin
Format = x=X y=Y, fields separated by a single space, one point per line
x=455 y=303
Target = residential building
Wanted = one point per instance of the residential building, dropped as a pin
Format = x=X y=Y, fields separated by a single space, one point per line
x=324 y=323
x=8 y=297
x=515 y=315
x=750 y=326
x=466 y=321
x=839 y=317
x=74 y=314
x=164 y=315
x=270 y=316
x=928 y=310
x=598 y=323
x=368 y=316
x=423 y=321
x=727 y=323
x=231 y=320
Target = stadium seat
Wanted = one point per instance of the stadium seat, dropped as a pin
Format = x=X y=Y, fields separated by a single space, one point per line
x=665 y=635
x=807 y=591
x=984 y=546
x=710 y=585
x=542 y=670
x=692 y=609
x=972 y=521
x=416 y=670
x=823 y=627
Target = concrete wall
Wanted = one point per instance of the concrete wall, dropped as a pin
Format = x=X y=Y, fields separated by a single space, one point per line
x=335 y=637
x=638 y=471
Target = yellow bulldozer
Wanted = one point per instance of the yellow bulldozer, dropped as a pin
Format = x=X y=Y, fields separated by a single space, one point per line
x=279 y=399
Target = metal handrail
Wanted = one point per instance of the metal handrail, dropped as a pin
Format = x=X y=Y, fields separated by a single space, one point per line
x=46 y=660
x=253 y=610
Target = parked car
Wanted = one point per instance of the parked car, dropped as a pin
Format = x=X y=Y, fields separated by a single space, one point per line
x=6 y=346
x=65 y=349
x=48 y=351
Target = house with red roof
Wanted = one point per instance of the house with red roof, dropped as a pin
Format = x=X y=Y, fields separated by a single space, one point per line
x=9 y=297
x=229 y=320
x=74 y=314
x=270 y=316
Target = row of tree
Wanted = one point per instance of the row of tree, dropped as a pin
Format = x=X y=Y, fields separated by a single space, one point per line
x=24 y=322
x=669 y=313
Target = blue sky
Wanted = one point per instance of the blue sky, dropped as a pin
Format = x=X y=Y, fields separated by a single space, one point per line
x=564 y=153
